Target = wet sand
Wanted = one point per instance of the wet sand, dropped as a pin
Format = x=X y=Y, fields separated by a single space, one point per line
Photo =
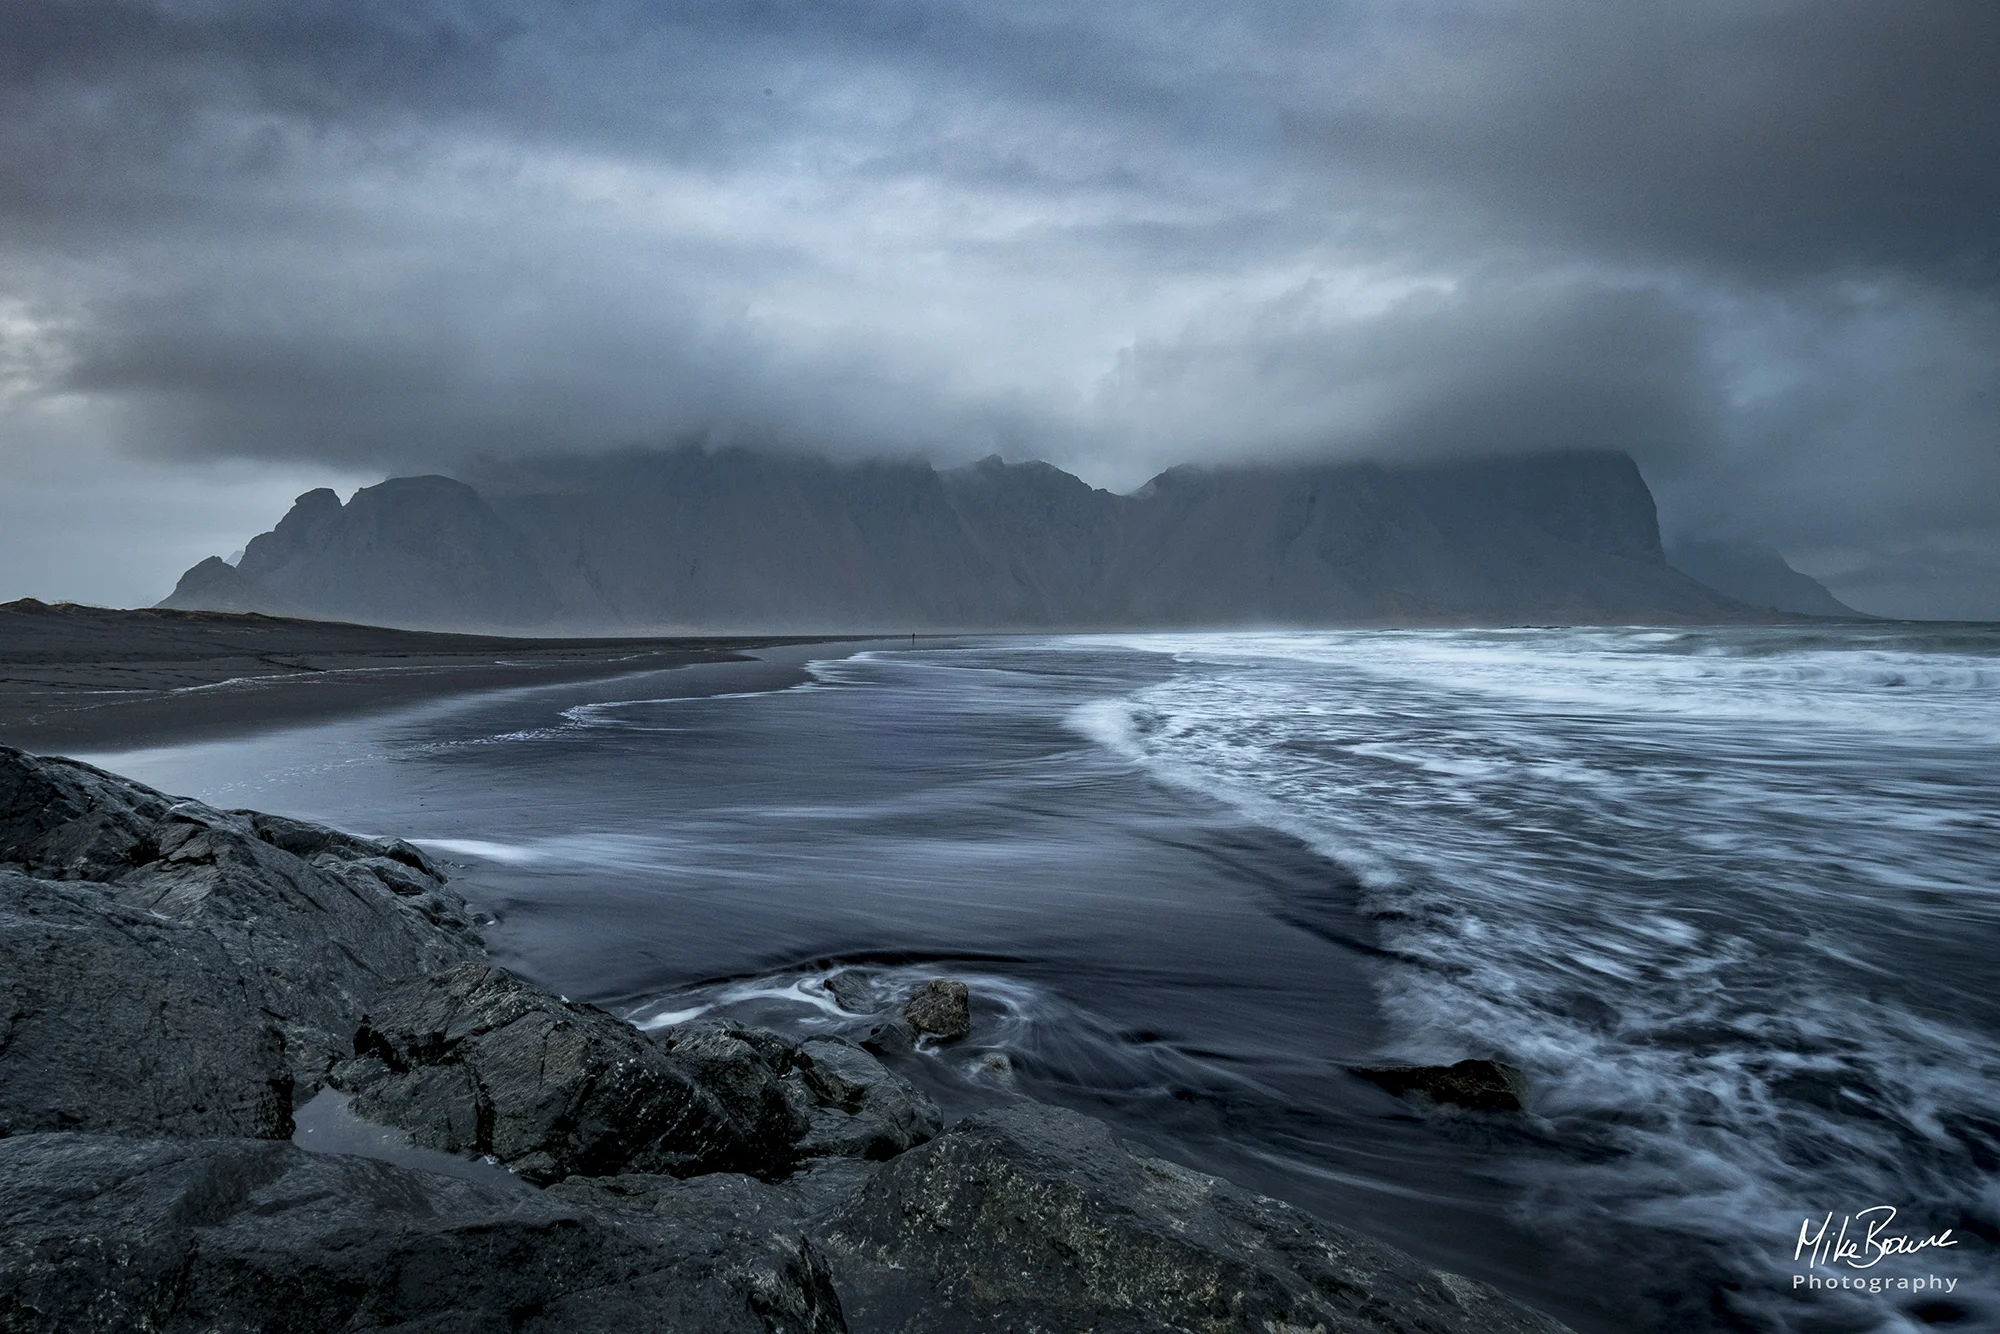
x=75 y=678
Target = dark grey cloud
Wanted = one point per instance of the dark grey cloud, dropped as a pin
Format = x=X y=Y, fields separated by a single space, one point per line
x=1755 y=242
x=1766 y=140
x=1487 y=365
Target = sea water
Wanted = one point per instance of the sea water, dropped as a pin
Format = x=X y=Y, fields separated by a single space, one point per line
x=1729 y=898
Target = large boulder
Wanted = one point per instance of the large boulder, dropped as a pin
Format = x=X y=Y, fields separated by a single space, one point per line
x=111 y=1235
x=745 y=1068
x=314 y=923
x=478 y=1061
x=1036 y=1218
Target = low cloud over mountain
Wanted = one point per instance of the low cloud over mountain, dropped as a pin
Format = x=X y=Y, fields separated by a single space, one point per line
x=736 y=540
x=1751 y=245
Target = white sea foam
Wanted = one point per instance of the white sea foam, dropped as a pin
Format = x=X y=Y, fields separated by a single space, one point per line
x=1685 y=879
x=616 y=712
x=602 y=850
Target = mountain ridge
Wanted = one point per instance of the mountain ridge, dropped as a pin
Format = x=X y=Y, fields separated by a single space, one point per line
x=1757 y=576
x=735 y=539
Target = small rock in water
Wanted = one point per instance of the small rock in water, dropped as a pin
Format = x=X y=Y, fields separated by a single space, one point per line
x=942 y=1008
x=996 y=1063
x=852 y=992
x=1486 y=1086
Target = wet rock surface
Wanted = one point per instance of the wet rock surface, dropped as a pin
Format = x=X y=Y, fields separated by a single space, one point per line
x=110 y=1234
x=1037 y=1218
x=942 y=1008
x=1484 y=1086
x=853 y=991
x=891 y=1038
x=115 y=1019
x=860 y=1109
x=313 y=922
x=175 y=979
x=478 y=1061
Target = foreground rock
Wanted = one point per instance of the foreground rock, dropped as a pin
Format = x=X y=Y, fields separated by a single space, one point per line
x=313 y=923
x=1036 y=1218
x=116 y=1019
x=858 y=1108
x=176 y=979
x=1483 y=1086
x=113 y=1235
x=172 y=968
x=478 y=1061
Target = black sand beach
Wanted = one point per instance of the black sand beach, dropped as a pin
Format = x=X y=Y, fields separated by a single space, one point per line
x=75 y=678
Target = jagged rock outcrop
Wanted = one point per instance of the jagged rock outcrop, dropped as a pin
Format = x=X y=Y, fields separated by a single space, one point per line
x=103 y=1235
x=176 y=978
x=855 y=1107
x=1034 y=1217
x=300 y=925
x=733 y=539
x=478 y=1061
x=113 y=1018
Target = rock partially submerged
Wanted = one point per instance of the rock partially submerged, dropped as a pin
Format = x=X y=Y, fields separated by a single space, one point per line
x=177 y=978
x=852 y=990
x=942 y=1008
x=1485 y=1086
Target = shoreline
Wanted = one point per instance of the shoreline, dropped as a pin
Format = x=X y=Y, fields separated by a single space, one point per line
x=197 y=979
x=82 y=679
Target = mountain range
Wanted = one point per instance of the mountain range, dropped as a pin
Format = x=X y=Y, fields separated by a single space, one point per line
x=740 y=540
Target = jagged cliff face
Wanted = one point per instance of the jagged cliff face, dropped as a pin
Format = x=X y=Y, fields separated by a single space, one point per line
x=415 y=551
x=737 y=540
x=1757 y=576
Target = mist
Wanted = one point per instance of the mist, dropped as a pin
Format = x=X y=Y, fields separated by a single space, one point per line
x=244 y=251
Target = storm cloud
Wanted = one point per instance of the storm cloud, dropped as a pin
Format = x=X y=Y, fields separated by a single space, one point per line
x=1755 y=243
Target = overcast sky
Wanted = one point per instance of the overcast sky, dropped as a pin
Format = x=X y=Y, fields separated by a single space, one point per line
x=247 y=248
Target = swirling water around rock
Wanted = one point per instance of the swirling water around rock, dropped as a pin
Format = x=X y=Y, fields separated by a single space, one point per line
x=1728 y=898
